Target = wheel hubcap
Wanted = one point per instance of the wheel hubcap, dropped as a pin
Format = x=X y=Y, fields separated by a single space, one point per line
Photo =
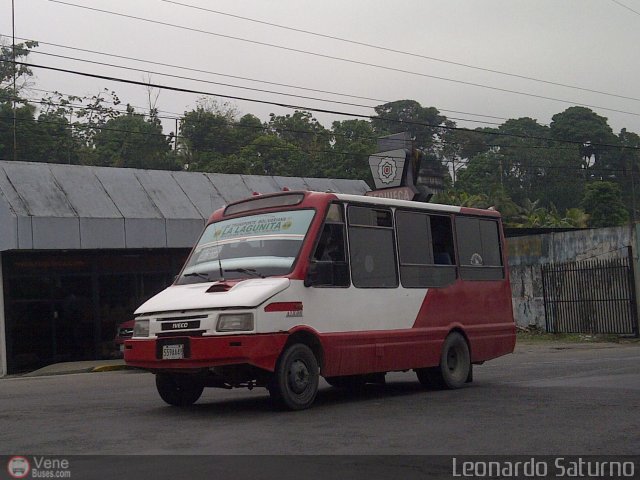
x=298 y=376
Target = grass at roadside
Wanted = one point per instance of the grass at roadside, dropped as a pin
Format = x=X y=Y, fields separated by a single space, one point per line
x=538 y=336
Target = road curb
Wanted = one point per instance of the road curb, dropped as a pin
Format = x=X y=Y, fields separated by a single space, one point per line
x=108 y=368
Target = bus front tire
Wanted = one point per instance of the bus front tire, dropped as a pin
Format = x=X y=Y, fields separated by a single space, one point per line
x=294 y=385
x=455 y=365
x=178 y=390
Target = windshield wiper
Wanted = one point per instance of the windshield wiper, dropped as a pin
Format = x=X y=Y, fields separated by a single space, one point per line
x=197 y=274
x=250 y=271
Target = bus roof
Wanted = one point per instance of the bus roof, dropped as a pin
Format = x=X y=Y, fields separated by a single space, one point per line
x=437 y=207
x=258 y=202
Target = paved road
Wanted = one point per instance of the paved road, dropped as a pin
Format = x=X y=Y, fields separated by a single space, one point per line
x=549 y=399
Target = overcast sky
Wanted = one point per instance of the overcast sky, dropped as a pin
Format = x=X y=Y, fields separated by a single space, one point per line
x=592 y=44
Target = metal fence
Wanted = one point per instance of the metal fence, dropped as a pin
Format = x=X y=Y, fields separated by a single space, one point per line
x=593 y=296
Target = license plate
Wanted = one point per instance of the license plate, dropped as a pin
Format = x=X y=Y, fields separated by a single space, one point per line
x=173 y=352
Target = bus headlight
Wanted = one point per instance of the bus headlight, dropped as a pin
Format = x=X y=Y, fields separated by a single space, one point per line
x=235 y=322
x=141 y=328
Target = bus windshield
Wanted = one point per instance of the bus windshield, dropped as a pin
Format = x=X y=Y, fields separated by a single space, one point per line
x=256 y=245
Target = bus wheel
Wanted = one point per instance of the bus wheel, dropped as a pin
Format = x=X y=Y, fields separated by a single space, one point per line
x=455 y=365
x=295 y=381
x=349 y=382
x=178 y=390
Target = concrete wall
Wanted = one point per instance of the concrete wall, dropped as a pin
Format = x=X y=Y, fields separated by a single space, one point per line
x=527 y=255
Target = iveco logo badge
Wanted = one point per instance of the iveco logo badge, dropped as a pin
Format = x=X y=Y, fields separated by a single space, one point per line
x=176 y=326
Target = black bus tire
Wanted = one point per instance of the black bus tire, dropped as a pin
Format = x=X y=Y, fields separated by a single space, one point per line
x=294 y=385
x=455 y=365
x=178 y=390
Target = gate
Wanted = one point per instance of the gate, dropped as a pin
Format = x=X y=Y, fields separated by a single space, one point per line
x=594 y=296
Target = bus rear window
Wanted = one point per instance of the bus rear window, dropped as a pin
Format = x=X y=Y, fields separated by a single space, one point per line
x=479 y=249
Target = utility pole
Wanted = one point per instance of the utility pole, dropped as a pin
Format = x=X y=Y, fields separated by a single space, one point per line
x=13 y=54
x=175 y=142
x=633 y=196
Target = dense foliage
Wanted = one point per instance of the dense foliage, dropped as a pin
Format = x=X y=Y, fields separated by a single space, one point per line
x=574 y=172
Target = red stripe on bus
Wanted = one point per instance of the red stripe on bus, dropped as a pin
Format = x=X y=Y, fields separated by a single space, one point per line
x=284 y=307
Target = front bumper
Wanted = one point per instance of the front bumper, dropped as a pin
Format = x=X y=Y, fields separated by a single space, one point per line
x=261 y=351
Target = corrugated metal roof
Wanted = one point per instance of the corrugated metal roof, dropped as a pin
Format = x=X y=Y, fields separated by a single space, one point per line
x=50 y=206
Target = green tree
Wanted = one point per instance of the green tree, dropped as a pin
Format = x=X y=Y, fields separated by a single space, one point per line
x=27 y=141
x=99 y=110
x=131 y=141
x=484 y=173
x=25 y=125
x=271 y=155
x=527 y=164
x=304 y=131
x=461 y=198
x=54 y=140
x=603 y=203
x=458 y=146
x=8 y=68
x=247 y=129
x=583 y=125
x=353 y=142
x=621 y=165
x=205 y=131
x=532 y=215
x=423 y=123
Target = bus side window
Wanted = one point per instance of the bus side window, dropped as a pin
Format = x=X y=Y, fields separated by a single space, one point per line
x=479 y=249
x=331 y=245
x=371 y=247
x=425 y=242
x=329 y=267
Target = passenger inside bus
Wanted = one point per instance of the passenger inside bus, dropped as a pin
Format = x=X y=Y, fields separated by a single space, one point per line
x=331 y=245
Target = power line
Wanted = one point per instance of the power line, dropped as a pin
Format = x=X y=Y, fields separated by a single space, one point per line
x=625 y=6
x=87 y=126
x=332 y=57
x=312 y=109
x=197 y=70
x=181 y=77
x=402 y=52
x=179 y=115
x=267 y=127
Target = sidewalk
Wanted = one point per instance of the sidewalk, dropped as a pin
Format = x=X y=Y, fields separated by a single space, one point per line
x=78 y=367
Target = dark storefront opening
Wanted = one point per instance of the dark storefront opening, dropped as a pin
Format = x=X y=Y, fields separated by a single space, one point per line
x=66 y=306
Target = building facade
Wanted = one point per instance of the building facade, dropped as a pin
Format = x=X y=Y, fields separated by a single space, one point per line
x=82 y=247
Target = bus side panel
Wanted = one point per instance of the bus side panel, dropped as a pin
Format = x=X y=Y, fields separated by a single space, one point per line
x=481 y=309
x=353 y=353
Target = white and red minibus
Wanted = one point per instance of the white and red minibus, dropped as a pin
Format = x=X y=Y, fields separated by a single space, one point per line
x=284 y=288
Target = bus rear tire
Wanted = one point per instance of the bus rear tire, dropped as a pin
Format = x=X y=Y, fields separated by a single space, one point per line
x=178 y=390
x=455 y=365
x=294 y=385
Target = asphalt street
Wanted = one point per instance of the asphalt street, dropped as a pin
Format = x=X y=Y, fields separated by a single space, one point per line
x=548 y=399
